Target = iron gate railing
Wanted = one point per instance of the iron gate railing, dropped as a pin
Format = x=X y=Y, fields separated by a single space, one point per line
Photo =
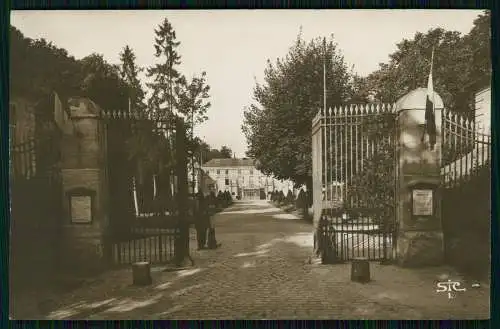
x=348 y=142
x=466 y=179
x=147 y=164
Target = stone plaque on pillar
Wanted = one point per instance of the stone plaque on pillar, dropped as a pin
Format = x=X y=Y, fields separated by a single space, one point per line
x=81 y=205
x=422 y=201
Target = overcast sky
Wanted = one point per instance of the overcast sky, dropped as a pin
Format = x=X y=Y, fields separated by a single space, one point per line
x=232 y=46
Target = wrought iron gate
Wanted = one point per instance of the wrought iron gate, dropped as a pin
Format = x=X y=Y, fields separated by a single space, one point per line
x=35 y=192
x=466 y=177
x=354 y=171
x=148 y=189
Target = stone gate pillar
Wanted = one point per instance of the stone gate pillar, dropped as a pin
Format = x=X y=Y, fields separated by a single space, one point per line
x=84 y=187
x=420 y=238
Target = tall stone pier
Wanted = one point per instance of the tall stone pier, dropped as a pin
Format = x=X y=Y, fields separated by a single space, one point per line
x=418 y=183
x=84 y=187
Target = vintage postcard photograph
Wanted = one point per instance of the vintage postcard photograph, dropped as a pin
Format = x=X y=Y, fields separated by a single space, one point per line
x=250 y=164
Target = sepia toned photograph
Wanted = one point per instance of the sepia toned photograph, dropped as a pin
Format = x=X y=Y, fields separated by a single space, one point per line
x=250 y=164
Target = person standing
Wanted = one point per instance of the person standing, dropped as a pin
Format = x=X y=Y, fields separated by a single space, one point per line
x=212 y=242
x=202 y=220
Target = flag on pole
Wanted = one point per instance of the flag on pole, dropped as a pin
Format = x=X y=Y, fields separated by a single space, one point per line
x=430 y=117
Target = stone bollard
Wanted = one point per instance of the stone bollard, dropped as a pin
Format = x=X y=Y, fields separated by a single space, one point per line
x=141 y=274
x=360 y=270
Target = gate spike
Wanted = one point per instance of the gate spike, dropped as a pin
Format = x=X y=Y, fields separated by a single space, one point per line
x=364 y=108
x=330 y=111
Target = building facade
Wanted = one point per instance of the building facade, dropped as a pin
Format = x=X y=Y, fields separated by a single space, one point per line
x=201 y=179
x=241 y=178
x=482 y=101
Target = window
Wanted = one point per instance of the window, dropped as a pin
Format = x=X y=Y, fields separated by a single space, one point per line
x=239 y=171
x=227 y=171
x=227 y=181
x=218 y=171
x=251 y=172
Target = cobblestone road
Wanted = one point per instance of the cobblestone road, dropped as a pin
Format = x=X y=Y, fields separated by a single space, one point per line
x=261 y=272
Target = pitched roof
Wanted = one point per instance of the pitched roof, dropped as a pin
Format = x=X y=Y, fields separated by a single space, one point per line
x=232 y=162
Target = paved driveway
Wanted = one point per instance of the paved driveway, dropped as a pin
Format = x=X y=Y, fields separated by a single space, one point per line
x=262 y=271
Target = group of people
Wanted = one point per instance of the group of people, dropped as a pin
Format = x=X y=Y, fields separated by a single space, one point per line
x=205 y=208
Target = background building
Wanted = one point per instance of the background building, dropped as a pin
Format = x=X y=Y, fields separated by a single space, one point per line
x=200 y=178
x=241 y=178
x=482 y=100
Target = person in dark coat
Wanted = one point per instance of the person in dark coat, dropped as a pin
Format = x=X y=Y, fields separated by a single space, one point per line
x=302 y=202
x=202 y=220
x=212 y=204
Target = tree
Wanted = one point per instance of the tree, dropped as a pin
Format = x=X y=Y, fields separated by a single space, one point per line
x=278 y=126
x=38 y=68
x=144 y=146
x=204 y=153
x=102 y=83
x=479 y=42
x=165 y=74
x=460 y=63
x=129 y=72
x=192 y=103
x=225 y=152
x=193 y=99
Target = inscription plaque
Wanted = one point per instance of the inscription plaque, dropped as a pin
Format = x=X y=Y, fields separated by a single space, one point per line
x=423 y=202
x=81 y=208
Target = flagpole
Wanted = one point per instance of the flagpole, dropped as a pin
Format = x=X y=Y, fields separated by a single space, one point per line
x=324 y=75
x=433 y=93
